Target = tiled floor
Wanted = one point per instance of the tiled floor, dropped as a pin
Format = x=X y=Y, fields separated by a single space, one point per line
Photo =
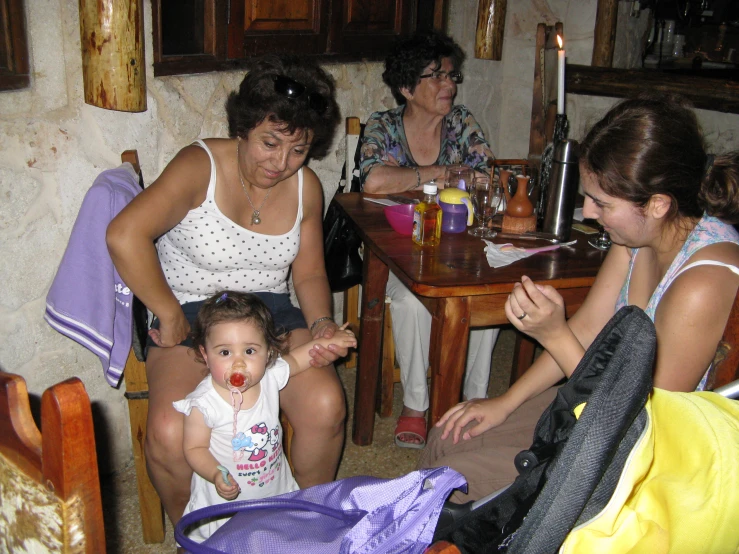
x=381 y=459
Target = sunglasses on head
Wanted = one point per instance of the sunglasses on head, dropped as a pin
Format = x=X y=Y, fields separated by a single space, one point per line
x=293 y=90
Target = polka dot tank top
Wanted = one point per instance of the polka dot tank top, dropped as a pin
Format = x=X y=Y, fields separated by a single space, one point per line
x=207 y=252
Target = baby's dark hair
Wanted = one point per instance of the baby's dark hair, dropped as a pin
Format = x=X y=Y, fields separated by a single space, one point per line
x=653 y=144
x=237 y=306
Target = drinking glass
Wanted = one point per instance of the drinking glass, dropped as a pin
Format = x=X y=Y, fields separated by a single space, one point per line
x=602 y=241
x=459 y=176
x=486 y=197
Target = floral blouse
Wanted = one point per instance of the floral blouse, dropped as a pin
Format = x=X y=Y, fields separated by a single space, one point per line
x=462 y=142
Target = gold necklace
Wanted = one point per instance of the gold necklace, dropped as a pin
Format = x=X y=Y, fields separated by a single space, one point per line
x=255 y=219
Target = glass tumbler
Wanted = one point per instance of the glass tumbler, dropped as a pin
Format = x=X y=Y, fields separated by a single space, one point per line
x=486 y=198
x=459 y=176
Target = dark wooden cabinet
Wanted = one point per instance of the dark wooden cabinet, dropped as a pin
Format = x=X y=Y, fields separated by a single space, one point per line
x=367 y=28
x=14 y=69
x=192 y=36
x=278 y=26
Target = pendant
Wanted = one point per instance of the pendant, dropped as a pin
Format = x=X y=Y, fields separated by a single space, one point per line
x=255 y=219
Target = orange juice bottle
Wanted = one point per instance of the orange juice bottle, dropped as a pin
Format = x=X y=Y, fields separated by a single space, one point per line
x=427 y=218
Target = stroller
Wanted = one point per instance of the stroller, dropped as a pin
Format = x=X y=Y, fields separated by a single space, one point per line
x=591 y=481
x=636 y=470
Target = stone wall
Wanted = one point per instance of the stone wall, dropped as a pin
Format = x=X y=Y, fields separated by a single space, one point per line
x=52 y=146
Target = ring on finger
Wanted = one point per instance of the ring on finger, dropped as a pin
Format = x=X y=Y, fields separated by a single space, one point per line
x=522 y=315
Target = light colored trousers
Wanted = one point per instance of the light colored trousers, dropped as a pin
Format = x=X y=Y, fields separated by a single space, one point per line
x=411 y=333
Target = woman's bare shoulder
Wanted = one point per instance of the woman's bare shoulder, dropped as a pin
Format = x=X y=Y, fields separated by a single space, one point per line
x=724 y=252
x=704 y=292
x=312 y=192
x=310 y=179
x=187 y=174
x=219 y=146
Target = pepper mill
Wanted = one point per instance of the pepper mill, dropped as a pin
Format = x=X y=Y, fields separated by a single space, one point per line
x=559 y=206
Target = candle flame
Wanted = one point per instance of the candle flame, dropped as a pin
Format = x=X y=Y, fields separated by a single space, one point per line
x=559 y=41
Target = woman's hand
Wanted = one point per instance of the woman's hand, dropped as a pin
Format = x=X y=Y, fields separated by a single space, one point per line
x=324 y=329
x=343 y=337
x=488 y=413
x=322 y=356
x=542 y=308
x=170 y=333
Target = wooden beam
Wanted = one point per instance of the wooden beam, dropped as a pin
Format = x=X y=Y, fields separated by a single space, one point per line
x=440 y=11
x=720 y=95
x=113 y=65
x=605 y=33
x=490 y=28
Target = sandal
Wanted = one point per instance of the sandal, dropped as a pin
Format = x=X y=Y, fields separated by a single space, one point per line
x=412 y=425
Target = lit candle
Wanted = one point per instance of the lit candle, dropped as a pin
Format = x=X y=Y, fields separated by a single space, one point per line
x=560 y=77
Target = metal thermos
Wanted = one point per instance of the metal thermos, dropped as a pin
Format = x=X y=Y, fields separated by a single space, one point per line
x=559 y=206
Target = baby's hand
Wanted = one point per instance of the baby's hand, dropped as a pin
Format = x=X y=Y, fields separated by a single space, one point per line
x=344 y=337
x=226 y=490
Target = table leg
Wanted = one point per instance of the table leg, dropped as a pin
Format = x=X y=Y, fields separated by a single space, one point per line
x=523 y=355
x=374 y=282
x=450 y=331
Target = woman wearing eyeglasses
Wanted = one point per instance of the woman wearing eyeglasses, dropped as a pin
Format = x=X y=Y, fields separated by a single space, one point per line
x=403 y=148
x=239 y=213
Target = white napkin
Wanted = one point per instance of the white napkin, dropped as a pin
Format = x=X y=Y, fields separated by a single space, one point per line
x=499 y=258
x=499 y=255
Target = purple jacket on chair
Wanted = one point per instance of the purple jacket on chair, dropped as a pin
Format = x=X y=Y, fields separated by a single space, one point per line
x=88 y=302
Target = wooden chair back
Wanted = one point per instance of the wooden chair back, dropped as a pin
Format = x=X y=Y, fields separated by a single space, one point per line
x=351 y=295
x=725 y=367
x=137 y=394
x=49 y=484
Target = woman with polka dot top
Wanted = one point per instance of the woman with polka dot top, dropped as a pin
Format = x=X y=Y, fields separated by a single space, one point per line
x=240 y=214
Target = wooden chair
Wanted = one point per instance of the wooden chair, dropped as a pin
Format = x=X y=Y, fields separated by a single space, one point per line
x=49 y=484
x=725 y=366
x=137 y=394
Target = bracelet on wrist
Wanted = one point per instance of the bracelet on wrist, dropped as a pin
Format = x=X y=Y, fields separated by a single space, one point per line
x=317 y=321
x=418 y=178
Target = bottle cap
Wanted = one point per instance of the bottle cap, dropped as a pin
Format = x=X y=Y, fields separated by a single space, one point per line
x=429 y=188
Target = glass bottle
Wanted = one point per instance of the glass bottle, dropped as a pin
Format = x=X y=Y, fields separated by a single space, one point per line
x=427 y=218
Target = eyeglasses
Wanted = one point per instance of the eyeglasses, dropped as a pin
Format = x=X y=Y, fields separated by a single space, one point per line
x=293 y=90
x=454 y=76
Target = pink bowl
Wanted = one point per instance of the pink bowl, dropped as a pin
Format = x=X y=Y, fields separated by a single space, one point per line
x=400 y=218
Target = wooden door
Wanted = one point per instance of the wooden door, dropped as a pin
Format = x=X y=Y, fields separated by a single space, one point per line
x=367 y=28
x=277 y=26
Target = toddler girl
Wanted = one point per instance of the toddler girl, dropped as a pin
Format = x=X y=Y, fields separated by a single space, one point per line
x=233 y=436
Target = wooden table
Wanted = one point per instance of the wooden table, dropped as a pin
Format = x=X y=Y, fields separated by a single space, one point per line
x=460 y=289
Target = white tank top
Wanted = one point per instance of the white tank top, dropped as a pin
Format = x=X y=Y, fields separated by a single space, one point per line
x=207 y=252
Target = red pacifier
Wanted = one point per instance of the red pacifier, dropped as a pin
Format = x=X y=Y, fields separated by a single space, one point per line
x=237 y=377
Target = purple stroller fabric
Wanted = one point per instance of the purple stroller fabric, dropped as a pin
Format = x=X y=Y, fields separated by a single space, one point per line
x=354 y=515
